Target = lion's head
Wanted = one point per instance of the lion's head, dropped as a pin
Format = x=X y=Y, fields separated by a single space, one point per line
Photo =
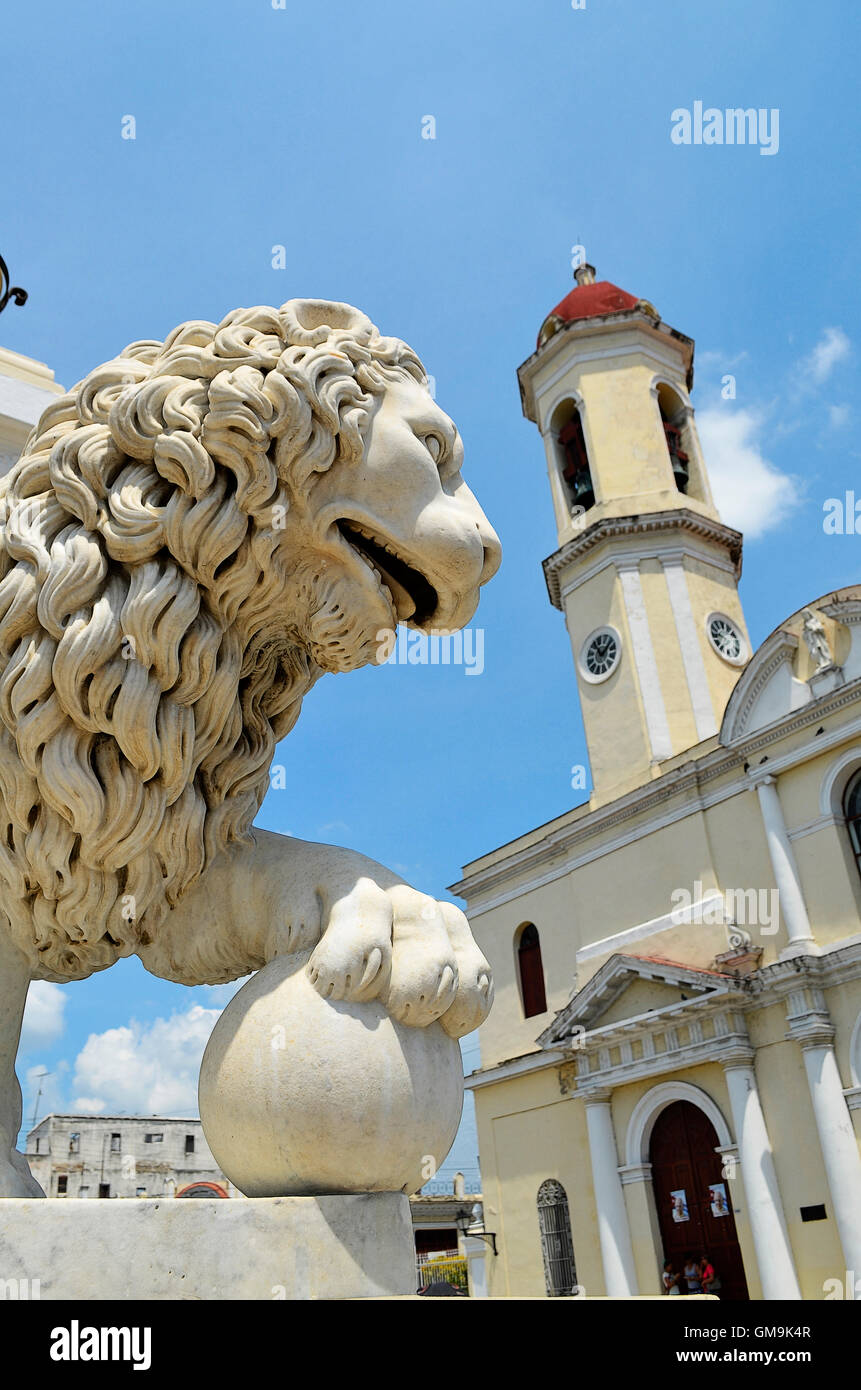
x=192 y=536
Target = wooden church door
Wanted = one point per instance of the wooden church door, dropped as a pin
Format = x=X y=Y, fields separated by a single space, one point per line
x=693 y=1200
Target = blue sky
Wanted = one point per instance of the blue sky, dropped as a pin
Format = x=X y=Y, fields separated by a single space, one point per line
x=301 y=127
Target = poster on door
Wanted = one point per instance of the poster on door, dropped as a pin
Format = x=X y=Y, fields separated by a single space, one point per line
x=679 y=1199
x=717 y=1199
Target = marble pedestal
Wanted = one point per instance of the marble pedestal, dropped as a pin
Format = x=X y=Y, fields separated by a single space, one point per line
x=200 y=1248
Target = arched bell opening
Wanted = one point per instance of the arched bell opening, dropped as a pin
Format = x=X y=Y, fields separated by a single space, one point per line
x=573 y=458
x=675 y=422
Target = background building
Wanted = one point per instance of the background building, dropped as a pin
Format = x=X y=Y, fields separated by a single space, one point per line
x=441 y=1214
x=124 y=1156
x=674 y=1057
x=27 y=387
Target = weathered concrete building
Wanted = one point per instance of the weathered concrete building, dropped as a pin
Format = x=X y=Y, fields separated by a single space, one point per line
x=124 y=1156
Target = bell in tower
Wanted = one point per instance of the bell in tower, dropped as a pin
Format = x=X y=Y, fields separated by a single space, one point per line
x=575 y=465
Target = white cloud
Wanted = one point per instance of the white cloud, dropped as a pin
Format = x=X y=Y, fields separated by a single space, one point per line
x=832 y=348
x=88 y=1105
x=144 y=1069
x=711 y=357
x=750 y=492
x=838 y=416
x=43 y=1015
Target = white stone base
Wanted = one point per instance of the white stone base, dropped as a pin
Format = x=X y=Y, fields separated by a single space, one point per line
x=200 y=1248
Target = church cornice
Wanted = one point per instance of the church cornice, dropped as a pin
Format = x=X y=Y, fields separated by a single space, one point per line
x=677 y=1036
x=687 y=782
x=797 y=982
x=582 y=1014
x=646 y=524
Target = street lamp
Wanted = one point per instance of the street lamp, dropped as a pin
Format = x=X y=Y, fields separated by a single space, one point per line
x=470 y=1222
x=9 y=291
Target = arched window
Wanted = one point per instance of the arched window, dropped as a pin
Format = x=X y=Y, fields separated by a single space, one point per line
x=674 y=421
x=852 y=812
x=531 y=972
x=557 y=1248
x=573 y=459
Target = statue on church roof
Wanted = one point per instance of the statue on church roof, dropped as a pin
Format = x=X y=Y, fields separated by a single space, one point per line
x=813 y=632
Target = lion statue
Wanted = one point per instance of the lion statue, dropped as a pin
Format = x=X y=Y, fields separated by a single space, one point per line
x=192 y=536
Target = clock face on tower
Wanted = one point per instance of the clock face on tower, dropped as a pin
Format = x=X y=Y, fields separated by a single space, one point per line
x=726 y=638
x=600 y=653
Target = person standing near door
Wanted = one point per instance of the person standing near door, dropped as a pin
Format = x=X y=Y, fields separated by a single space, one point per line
x=691 y=1273
x=708 y=1278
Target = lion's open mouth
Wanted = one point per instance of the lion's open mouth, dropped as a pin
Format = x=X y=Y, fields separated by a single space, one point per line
x=414 y=598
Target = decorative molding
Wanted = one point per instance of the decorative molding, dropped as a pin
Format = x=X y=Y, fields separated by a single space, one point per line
x=709 y=1028
x=630 y=1173
x=649 y=1107
x=834 y=782
x=814 y=826
x=656 y=338
x=610 y=981
x=807 y=1017
x=647 y=523
x=524 y=1065
x=663 y=547
x=600 y=1095
x=669 y=1040
x=846 y=610
x=738 y=1056
x=776 y=651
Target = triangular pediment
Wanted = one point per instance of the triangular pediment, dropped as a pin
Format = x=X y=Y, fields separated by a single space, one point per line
x=629 y=986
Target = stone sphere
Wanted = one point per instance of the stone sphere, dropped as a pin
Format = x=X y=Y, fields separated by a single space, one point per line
x=302 y=1096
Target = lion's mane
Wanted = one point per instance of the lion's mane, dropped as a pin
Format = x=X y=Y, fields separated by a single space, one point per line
x=141 y=689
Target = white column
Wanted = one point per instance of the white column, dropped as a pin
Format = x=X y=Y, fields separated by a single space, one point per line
x=838 y=1143
x=762 y=1195
x=793 y=909
x=475 y=1251
x=617 y=1255
x=689 y=643
x=644 y=660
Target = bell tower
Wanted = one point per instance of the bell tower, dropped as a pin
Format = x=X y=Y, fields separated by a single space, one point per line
x=645 y=572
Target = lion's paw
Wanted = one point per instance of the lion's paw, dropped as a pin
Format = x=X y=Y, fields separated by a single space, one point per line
x=353 y=958
x=414 y=954
x=424 y=980
x=474 y=997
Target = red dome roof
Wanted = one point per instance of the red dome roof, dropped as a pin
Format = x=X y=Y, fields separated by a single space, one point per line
x=588 y=300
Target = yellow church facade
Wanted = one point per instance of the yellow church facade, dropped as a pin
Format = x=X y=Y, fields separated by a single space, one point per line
x=672 y=1066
